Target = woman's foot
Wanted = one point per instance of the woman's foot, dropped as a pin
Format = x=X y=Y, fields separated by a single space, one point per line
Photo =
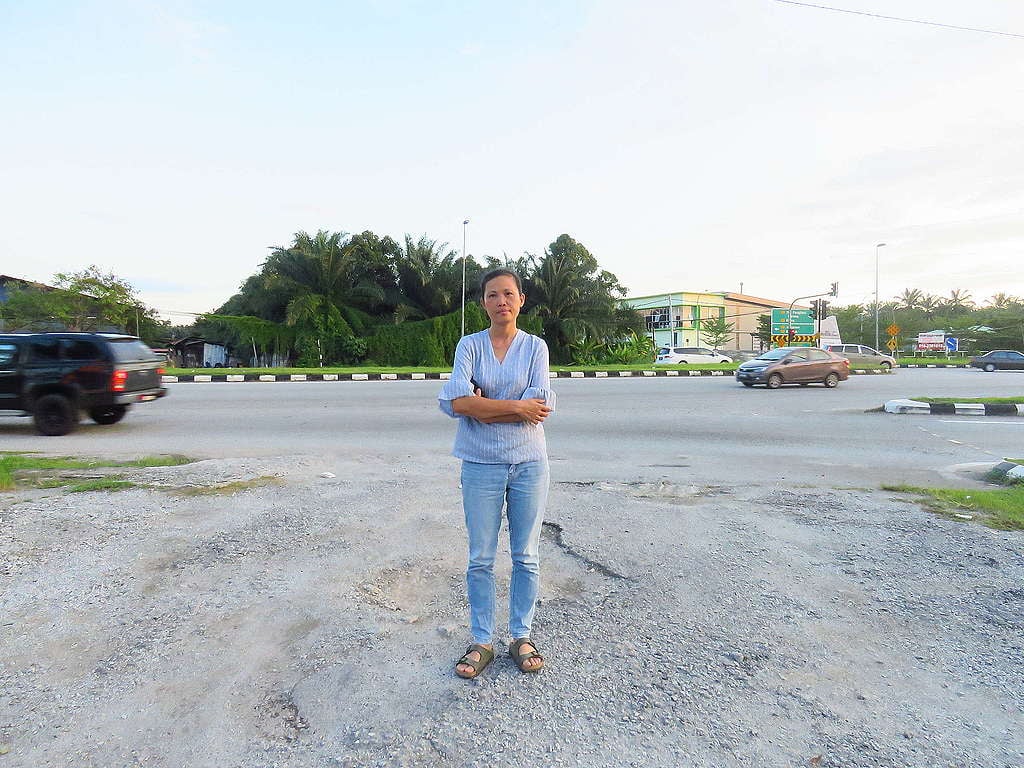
x=525 y=655
x=475 y=660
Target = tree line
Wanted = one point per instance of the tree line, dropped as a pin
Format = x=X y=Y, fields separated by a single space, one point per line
x=321 y=299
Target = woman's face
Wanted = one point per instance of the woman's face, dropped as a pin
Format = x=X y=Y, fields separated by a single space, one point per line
x=502 y=300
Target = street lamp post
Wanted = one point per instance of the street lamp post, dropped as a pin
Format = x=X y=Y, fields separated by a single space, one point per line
x=464 y=223
x=880 y=245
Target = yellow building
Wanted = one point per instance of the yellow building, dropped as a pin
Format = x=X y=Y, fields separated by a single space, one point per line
x=676 y=319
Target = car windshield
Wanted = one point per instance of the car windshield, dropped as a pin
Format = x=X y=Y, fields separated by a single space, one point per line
x=773 y=354
x=131 y=351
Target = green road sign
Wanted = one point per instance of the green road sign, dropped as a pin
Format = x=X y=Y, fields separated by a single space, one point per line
x=802 y=322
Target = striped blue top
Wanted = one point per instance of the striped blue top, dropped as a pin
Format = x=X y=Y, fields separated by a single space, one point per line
x=523 y=375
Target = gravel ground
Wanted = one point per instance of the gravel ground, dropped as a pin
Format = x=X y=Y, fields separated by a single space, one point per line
x=314 y=621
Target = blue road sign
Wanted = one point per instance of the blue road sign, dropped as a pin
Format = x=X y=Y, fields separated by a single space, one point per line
x=952 y=345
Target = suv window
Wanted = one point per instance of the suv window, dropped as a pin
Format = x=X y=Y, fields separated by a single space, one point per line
x=8 y=353
x=131 y=351
x=80 y=349
x=43 y=350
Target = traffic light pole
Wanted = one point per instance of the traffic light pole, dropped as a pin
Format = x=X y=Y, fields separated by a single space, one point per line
x=789 y=315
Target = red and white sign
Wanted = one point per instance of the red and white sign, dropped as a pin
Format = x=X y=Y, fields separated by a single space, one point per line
x=931 y=342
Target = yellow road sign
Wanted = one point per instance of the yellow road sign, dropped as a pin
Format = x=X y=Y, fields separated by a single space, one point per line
x=892 y=345
x=799 y=338
x=893 y=329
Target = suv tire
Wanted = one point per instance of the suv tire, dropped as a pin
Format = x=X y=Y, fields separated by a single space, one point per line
x=54 y=415
x=108 y=414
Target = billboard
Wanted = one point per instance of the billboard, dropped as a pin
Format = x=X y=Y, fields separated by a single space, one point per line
x=932 y=341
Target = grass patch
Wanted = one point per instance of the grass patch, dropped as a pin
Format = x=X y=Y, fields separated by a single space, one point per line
x=13 y=464
x=229 y=489
x=1015 y=400
x=106 y=484
x=1001 y=508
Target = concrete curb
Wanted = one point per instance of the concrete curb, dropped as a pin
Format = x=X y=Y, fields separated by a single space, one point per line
x=934 y=365
x=954 y=409
x=1009 y=470
x=200 y=378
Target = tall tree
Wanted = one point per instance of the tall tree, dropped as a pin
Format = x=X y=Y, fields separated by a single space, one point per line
x=331 y=292
x=575 y=300
x=429 y=279
x=910 y=298
x=87 y=300
x=958 y=301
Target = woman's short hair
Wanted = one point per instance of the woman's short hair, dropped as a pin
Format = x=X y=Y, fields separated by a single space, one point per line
x=500 y=272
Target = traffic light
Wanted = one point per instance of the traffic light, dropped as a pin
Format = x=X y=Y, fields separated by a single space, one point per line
x=822 y=309
x=835 y=289
x=792 y=335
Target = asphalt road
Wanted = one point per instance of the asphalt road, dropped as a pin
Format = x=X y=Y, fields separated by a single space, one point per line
x=723 y=585
x=704 y=430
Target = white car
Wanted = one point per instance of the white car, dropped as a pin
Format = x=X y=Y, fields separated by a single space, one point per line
x=689 y=356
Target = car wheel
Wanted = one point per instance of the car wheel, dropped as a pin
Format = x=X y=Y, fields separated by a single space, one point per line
x=774 y=381
x=989 y=367
x=54 y=415
x=831 y=380
x=886 y=367
x=747 y=383
x=108 y=414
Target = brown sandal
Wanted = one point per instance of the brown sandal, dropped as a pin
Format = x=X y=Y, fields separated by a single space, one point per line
x=521 y=657
x=486 y=657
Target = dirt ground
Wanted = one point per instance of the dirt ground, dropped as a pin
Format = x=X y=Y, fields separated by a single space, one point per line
x=255 y=612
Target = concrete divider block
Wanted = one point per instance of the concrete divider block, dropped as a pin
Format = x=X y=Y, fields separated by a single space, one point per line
x=907 y=406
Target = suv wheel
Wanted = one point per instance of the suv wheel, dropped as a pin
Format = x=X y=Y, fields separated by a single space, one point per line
x=54 y=415
x=108 y=414
x=831 y=380
x=774 y=381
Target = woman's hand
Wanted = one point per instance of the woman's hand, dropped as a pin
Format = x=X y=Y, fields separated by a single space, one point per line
x=533 y=410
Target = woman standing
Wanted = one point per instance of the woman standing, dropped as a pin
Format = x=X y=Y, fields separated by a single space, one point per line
x=499 y=392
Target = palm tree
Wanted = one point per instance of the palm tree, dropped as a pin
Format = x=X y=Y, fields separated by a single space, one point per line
x=429 y=279
x=1003 y=301
x=930 y=304
x=330 y=292
x=959 y=300
x=910 y=298
x=574 y=306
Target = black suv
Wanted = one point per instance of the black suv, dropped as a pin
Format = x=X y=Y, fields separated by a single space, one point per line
x=55 y=376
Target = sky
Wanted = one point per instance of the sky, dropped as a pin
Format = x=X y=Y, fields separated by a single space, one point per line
x=688 y=145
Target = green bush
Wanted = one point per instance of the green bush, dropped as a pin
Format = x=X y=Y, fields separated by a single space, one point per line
x=431 y=342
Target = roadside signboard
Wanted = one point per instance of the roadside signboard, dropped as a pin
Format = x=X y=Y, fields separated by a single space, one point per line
x=802 y=324
x=893 y=345
x=952 y=345
x=934 y=341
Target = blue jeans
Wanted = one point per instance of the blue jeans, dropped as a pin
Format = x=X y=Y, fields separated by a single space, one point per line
x=486 y=488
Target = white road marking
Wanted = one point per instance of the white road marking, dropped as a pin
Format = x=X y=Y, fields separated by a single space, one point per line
x=985 y=421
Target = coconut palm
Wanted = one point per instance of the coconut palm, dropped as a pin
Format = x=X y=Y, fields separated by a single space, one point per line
x=910 y=298
x=1003 y=301
x=959 y=300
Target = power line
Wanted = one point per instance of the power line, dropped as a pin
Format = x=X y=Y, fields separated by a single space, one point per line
x=899 y=18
